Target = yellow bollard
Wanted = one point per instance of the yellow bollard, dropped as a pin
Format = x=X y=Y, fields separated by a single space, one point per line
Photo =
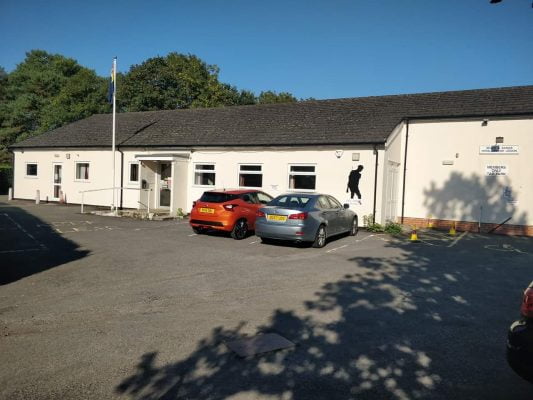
x=452 y=231
x=430 y=222
x=414 y=236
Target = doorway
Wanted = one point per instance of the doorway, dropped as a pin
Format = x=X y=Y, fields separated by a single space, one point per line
x=58 y=174
x=165 y=182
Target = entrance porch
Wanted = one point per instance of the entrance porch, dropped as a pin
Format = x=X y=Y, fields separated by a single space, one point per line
x=165 y=177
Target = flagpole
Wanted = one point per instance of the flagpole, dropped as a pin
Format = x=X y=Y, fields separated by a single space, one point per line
x=113 y=207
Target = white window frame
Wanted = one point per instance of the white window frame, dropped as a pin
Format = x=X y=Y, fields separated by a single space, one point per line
x=36 y=176
x=76 y=171
x=138 y=181
x=289 y=173
x=209 y=171
x=239 y=172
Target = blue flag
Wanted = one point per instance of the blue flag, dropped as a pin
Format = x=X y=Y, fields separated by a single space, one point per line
x=111 y=90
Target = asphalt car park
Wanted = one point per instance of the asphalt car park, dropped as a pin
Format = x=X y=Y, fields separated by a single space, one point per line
x=102 y=307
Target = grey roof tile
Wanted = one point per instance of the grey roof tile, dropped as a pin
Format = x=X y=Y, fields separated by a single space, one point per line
x=339 y=121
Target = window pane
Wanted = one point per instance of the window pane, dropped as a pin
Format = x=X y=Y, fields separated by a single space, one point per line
x=31 y=169
x=263 y=198
x=251 y=180
x=306 y=182
x=204 y=178
x=82 y=171
x=216 y=197
x=302 y=168
x=290 y=201
x=334 y=202
x=322 y=203
x=134 y=172
x=251 y=168
x=209 y=167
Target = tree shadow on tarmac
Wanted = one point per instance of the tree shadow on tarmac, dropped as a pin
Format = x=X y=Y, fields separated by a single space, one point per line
x=428 y=323
x=29 y=245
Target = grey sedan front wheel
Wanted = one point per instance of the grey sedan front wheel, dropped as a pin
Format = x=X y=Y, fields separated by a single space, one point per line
x=320 y=238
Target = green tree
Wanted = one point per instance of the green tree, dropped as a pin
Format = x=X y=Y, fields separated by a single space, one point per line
x=46 y=91
x=270 y=97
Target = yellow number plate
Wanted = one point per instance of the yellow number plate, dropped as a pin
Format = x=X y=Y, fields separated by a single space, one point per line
x=207 y=210
x=280 y=218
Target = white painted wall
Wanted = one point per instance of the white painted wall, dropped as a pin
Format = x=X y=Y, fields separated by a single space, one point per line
x=458 y=191
x=332 y=171
x=99 y=174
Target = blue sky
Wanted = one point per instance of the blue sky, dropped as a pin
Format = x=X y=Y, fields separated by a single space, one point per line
x=321 y=49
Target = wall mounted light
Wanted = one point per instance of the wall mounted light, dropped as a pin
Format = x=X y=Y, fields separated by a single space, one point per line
x=485 y=122
x=499 y=139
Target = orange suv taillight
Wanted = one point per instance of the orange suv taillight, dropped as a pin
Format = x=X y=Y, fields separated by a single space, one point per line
x=527 y=303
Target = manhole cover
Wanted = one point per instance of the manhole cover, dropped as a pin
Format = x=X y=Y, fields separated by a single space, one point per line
x=259 y=344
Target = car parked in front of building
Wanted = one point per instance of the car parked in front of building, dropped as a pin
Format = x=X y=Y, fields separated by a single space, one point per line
x=520 y=339
x=305 y=217
x=232 y=211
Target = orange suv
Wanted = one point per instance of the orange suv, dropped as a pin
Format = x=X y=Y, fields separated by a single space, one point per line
x=227 y=210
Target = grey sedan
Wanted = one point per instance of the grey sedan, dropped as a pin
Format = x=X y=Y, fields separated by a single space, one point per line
x=305 y=217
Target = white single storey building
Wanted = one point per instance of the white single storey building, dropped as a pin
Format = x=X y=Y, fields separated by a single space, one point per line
x=462 y=156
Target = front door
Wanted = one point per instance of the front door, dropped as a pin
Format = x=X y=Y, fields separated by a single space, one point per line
x=57 y=180
x=165 y=176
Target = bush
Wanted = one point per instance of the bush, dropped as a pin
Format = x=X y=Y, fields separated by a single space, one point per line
x=390 y=227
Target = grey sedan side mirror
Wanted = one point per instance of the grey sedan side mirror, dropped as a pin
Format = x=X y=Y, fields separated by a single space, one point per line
x=346 y=205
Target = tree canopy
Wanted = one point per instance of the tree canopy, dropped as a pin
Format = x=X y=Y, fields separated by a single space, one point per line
x=46 y=91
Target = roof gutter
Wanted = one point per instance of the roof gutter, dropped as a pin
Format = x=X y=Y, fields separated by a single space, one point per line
x=375 y=183
x=405 y=167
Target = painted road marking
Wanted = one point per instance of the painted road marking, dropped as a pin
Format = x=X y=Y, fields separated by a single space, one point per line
x=42 y=246
x=255 y=241
x=337 y=248
x=504 y=247
x=18 y=251
x=456 y=240
x=194 y=234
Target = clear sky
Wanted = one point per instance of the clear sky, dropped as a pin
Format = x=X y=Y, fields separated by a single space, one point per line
x=321 y=49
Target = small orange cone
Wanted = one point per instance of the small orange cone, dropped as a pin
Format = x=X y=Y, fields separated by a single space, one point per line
x=452 y=231
x=414 y=236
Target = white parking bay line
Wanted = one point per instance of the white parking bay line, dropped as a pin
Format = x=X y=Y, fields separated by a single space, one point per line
x=454 y=242
x=255 y=241
x=194 y=234
x=18 y=251
x=337 y=248
x=42 y=246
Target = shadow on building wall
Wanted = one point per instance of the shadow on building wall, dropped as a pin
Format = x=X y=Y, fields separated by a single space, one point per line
x=29 y=245
x=413 y=326
x=488 y=200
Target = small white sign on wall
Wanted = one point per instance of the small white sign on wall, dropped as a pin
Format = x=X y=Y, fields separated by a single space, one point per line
x=498 y=149
x=496 y=170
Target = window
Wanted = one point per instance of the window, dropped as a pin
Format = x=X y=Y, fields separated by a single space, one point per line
x=217 y=197
x=31 y=169
x=302 y=177
x=323 y=203
x=334 y=203
x=290 y=201
x=134 y=172
x=250 y=175
x=82 y=171
x=263 y=198
x=204 y=174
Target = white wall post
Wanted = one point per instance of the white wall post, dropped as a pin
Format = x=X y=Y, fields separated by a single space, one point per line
x=10 y=194
x=37 y=197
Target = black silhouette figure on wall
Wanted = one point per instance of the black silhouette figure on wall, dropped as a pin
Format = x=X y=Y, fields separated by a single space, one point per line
x=353 y=182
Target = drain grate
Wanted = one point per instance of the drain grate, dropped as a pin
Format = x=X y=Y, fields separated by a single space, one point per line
x=262 y=343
